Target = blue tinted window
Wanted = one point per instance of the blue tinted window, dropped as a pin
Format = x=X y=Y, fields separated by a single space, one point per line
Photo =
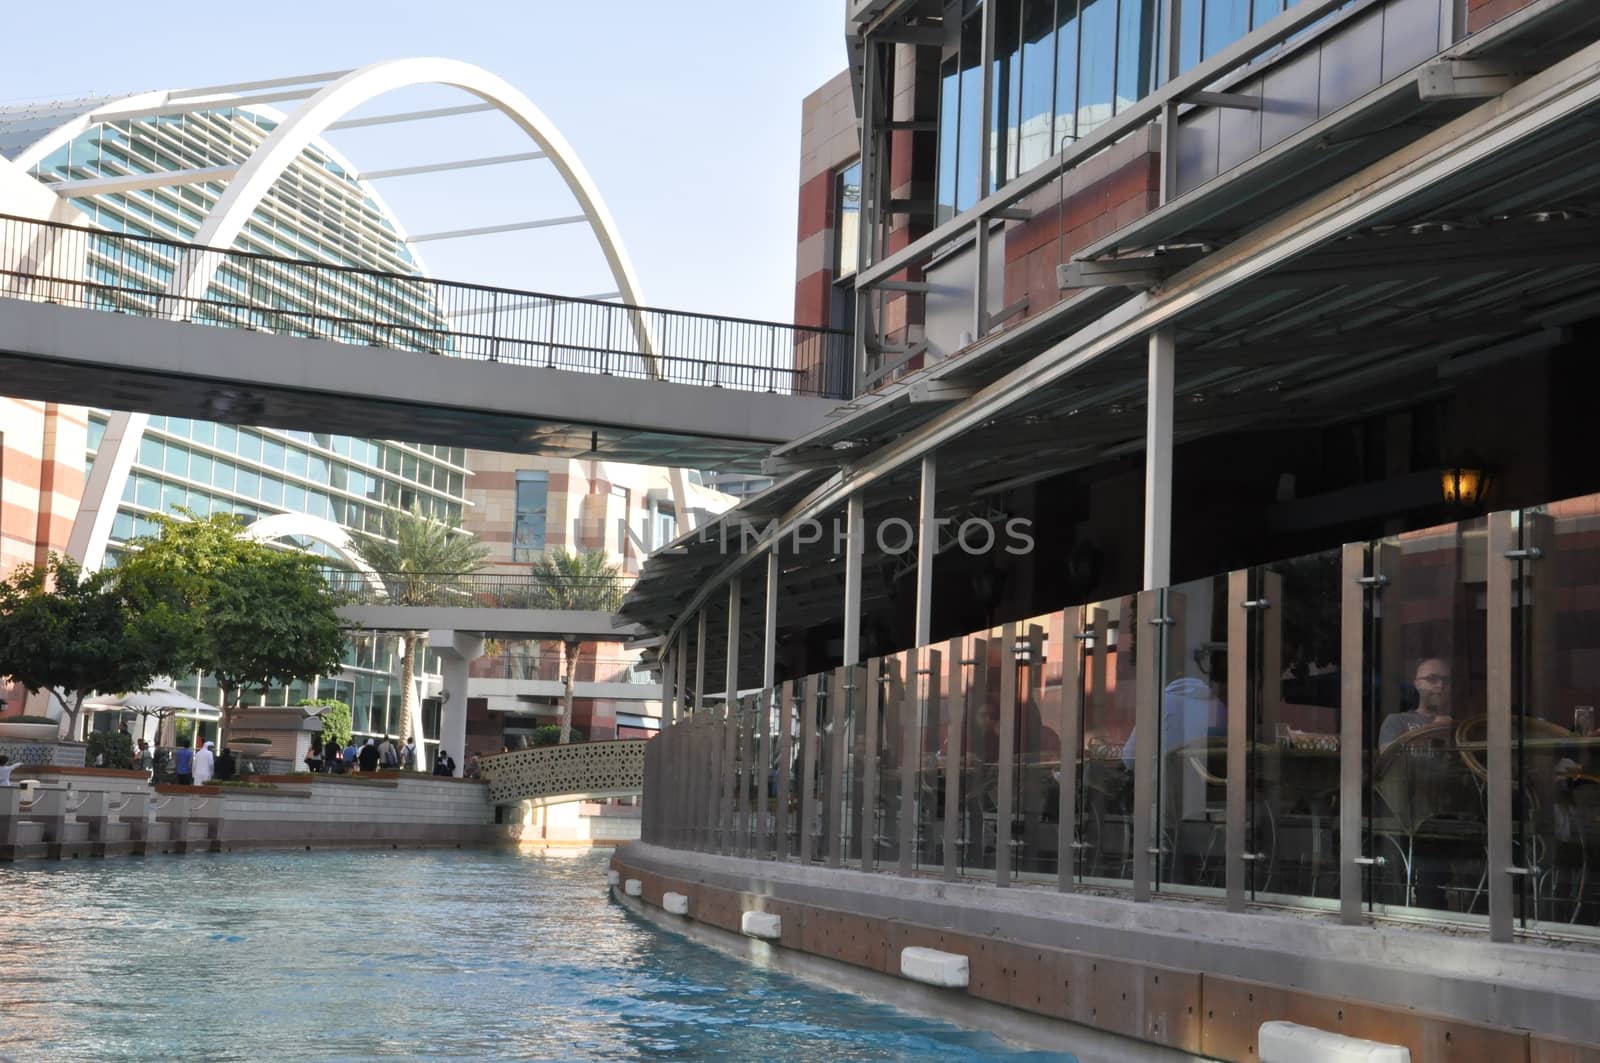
x=1189 y=35
x=1007 y=85
x=272 y=490
x=971 y=112
x=1096 y=63
x=200 y=468
x=1265 y=11
x=1038 y=83
x=528 y=534
x=97 y=432
x=296 y=462
x=176 y=460
x=222 y=475
x=1138 y=29
x=147 y=492
x=229 y=438
x=1226 y=22
x=273 y=454
x=149 y=452
x=1066 y=73
x=172 y=496
x=249 y=483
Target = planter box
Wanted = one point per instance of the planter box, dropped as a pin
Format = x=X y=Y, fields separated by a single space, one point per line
x=31 y=732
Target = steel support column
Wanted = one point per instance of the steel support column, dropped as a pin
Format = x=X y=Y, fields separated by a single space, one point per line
x=1158 y=460
x=1502 y=571
x=927 y=547
x=855 y=536
x=1352 y=695
x=1238 y=709
x=1147 y=725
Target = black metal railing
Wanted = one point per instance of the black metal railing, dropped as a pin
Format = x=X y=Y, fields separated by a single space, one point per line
x=135 y=274
x=481 y=590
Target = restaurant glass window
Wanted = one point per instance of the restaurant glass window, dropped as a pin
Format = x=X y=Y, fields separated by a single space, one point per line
x=894 y=694
x=790 y=718
x=1036 y=801
x=1293 y=716
x=1555 y=754
x=850 y=778
x=1192 y=745
x=1426 y=806
x=927 y=804
x=1108 y=645
x=980 y=750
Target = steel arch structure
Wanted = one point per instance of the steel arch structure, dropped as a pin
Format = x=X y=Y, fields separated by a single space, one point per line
x=254 y=182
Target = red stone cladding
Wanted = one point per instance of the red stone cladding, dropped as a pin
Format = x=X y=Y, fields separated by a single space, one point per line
x=1481 y=13
x=1035 y=247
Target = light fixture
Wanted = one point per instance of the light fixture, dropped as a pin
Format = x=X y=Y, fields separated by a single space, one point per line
x=1464 y=485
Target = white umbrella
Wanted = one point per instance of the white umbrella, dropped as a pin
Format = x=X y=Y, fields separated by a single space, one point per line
x=160 y=700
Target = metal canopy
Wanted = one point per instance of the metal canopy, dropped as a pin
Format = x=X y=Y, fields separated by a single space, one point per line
x=1487 y=263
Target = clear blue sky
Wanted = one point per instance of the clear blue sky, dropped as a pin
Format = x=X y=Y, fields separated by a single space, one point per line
x=687 y=116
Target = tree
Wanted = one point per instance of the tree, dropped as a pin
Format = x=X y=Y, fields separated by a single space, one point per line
x=335 y=718
x=250 y=614
x=73 y=633
x=576 y=582
x=419 y=560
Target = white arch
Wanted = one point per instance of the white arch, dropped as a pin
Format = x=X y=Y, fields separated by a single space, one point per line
x=91 y=529
x=278 y=525
x=267 y=163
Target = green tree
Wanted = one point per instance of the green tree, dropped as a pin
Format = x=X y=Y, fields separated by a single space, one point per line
x=252 y=615
x=335 y=718
x=420 y=560
x=73 y=633
x=576 y=582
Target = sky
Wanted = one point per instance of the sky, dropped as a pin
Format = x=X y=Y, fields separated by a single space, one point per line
x=685 y=115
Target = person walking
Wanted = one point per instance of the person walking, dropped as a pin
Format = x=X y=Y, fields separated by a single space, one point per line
x=333 y=758
x=408 y=755
x=351 y=752
x=368 y=756
x=314 y=757
x=204 y=765
x=443 y=764
x=227 y=765
x=145 y=757
x=388 y=756
x=183 y=764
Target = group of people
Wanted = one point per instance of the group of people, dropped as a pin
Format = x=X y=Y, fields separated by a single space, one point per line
x=331 y=758
x=192 y=766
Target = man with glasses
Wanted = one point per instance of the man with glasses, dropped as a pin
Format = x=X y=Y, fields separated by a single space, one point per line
x=1432 y=684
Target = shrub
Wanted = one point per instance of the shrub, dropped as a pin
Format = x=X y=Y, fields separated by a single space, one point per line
x=115 y=747
x=550 y=735
x=336 y=720
x=28 y=719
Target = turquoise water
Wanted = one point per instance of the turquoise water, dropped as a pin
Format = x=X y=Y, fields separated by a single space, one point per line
x=483 y=955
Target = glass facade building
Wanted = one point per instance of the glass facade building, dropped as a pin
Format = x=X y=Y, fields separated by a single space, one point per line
x=320 y=211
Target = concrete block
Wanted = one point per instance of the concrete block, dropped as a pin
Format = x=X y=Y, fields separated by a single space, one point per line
x=613 y=876
x=1289 y=1042
x=761 y=925
x=676 y=903
x=633 y=887
x=932 y=967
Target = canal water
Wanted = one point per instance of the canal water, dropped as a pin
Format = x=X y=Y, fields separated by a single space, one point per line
x=465 y=955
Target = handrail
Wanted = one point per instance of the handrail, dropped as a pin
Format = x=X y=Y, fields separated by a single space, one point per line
x=51 y=261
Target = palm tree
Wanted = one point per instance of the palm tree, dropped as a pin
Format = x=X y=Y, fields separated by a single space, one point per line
x=419 y=559
x=576 y=582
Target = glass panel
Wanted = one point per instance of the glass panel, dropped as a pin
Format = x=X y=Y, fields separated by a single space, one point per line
x=1226 y=21
x=949 y=134
x=1105 y=772
x=1066 y=74
x=850 y=771
x=1136 y=50
x=847 y=200
x=1097 y=64
x=796 y=766
x=891 y=754
x=928 y=791
x=1192 y=752
x=1007 y=88
x=1038 y=79
x=1293 y=795
x=1037 y=801
x=1556 y=758
x=1426 y=809
x=980 y=747
x=817 y=687
x=971 y=112
x=1265 y=11
x=1189 y=35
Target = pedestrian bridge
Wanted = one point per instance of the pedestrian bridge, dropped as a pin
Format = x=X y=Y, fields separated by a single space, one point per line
x=510 y=605
x=91 y=317
x=581 y=771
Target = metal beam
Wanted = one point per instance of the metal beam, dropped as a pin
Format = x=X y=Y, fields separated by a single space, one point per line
x=486 y=230
x=1158 y=461
x=196 y=105
x=855 y=536
x=410 y=116
x=100 y=186
x=248 y=86
x=458 y=164
x=927 y=546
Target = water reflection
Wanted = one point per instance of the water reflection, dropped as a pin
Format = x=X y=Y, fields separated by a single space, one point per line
x=482 y=955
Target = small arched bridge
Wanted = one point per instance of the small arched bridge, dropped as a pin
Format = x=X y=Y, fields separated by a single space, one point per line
x=581 y=771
